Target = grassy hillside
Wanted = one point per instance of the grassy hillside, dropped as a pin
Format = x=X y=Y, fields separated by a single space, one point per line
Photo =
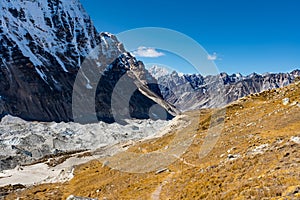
x=256 y=157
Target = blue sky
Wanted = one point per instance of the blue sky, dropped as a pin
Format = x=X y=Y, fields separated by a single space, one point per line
x=245 y=35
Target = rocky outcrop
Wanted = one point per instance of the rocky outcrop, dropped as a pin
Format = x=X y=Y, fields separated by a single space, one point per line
x=42 y=46
x=72 y=197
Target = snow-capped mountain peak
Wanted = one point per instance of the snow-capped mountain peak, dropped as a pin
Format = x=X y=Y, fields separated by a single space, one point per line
x=52 y=27
x=159 y=71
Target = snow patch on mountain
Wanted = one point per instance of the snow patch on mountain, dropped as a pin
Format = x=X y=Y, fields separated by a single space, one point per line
x=31 y=23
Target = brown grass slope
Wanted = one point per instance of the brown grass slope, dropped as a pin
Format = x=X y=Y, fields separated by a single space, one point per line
x=256 y=157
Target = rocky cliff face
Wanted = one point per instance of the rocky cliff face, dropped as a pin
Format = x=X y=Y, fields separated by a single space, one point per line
x=194 y=91
x=42 y=45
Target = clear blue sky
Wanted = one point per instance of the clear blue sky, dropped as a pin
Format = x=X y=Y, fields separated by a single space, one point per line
x=246 y=35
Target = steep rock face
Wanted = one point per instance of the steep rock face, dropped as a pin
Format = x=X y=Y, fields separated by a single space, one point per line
x=42 y=45
x=193 y=91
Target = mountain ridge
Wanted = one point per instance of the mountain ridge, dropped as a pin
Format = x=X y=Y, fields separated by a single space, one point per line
x=194 y=91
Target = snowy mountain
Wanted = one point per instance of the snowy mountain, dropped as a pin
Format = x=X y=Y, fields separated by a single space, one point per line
x=42 y=45
x=158 y=71
x=46 y=29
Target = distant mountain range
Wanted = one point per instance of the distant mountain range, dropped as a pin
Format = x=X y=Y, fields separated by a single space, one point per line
x=194 y=91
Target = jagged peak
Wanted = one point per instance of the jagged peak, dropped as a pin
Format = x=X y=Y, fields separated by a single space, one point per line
x=107 y=34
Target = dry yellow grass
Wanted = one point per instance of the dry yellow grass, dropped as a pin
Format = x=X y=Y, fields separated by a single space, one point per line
x=254 y=158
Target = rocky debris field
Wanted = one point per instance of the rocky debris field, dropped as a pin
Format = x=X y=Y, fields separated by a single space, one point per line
x=24 y=142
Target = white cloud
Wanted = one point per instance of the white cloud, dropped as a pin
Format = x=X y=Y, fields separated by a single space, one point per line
x=212 y=57
x=147 y=52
